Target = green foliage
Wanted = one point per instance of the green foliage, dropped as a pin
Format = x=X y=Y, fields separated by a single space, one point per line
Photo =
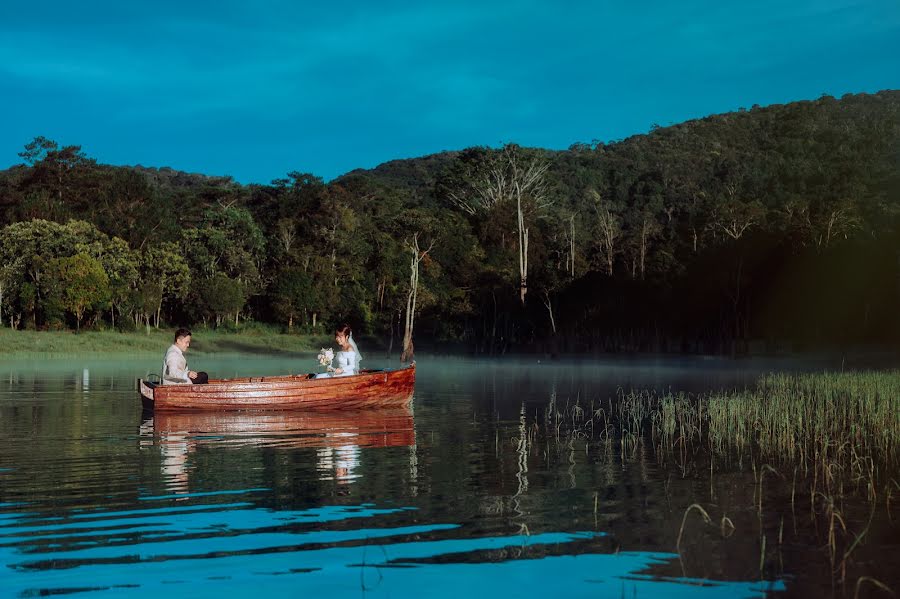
x=31 y=252
x=294 y=295
x=224 y=254
x=77 y=284
x=221 y=296
x=227 y=241
x=164 y=277
x=779 y=223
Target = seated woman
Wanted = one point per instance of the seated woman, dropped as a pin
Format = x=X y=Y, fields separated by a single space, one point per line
x=347 y=357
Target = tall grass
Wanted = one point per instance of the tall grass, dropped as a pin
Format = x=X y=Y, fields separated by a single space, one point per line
x=841 y=423
x=830 y=417
x=831 y=432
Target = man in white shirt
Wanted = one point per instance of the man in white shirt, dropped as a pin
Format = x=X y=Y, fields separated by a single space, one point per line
x=174 y=369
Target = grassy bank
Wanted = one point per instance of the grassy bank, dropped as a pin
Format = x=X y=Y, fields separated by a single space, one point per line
x=251 y=340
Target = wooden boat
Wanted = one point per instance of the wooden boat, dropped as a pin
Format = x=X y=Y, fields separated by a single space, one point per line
x=390 y=427
x=368 y=389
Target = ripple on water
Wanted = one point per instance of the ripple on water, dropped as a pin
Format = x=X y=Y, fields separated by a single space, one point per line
x=95 y=498
x=205 y=550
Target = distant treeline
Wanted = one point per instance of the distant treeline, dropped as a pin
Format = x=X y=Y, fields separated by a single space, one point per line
x=770 y=228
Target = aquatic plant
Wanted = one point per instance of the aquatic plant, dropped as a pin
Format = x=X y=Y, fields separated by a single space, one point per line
x=846 y=426
x=833 y=433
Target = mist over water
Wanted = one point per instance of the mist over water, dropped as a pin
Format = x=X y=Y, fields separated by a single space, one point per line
x=441 y=499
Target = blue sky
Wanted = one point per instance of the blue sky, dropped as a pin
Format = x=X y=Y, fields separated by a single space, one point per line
x=255 y=90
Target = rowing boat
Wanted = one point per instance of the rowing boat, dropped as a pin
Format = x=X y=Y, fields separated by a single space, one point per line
x=368 y=389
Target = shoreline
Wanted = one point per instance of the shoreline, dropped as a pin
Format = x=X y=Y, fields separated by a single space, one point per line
x=49 y=344
x=260 y=340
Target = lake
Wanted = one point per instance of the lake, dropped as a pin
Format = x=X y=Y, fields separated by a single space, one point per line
x=467 y=492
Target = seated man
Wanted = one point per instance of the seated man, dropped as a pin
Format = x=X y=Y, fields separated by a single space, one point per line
x=175 y=370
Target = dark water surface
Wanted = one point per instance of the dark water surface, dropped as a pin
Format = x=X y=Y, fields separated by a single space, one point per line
x=456 y=496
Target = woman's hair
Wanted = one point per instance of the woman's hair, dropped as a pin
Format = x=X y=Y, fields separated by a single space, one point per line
x=343 y=329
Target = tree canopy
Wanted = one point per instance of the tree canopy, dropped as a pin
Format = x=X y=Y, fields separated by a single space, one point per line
x=777 y=225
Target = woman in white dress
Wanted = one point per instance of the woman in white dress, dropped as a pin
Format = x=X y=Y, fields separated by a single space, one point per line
x=347 y=357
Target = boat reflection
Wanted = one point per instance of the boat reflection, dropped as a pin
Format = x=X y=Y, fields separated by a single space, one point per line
x=338 y=438
x=362 y=428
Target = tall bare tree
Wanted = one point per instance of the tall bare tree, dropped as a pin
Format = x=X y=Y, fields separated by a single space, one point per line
x=418 y=254
x=733 y=217
x=509 y=175
x=286 y=235
x=570 y=238
x=836 y=219
x=609 y=228
x=648 y=229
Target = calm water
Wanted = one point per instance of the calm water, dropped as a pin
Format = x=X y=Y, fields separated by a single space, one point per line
x=444 y=499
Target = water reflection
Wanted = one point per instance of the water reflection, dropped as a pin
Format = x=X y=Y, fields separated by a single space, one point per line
x=362 y=428
x=462 y=496
x=175 y=448
x=338 y=463
x=338 y=437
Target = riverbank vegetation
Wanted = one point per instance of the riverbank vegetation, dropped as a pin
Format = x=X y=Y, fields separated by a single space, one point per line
x=766 y=229
x=256 y=339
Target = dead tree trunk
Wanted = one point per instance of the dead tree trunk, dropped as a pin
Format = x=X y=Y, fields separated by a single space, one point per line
x=417 y=256
x=649 y=229
x=572 y=245
x=609 y=226
x=549 y=305
x=523 y=252
x=528 y=185
x=509 y=175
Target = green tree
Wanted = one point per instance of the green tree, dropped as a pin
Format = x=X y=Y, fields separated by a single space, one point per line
x=293 y=294
x=78 y=284
x=25 y=248
x=164 y=277
x=119 y=261
x=221 y=297
x=61 y=179
x=229 y=243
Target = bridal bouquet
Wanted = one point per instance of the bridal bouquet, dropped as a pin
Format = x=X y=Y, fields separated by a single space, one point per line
x=326 y=356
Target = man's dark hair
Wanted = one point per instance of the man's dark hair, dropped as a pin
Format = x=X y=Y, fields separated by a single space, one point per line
x=182 y=333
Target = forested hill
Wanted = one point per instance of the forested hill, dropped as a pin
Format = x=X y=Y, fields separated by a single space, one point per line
x=416 y=175
x=769 y=228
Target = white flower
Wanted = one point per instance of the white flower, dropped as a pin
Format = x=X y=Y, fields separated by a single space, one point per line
x=326 y=356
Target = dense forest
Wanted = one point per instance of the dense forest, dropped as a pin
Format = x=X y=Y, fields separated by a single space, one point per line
x=766 y=229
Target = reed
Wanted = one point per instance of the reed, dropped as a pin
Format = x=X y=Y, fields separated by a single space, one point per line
x=828 y=415
x=693 y=506
x=842 y=426
x=824 y=435
x=875 y=583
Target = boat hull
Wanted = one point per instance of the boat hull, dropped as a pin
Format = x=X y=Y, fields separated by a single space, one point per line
x=369 y=389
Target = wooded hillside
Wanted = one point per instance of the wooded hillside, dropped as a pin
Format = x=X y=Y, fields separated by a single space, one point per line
x=776 y=227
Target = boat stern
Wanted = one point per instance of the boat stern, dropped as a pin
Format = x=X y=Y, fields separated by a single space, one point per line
x=146 y=389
